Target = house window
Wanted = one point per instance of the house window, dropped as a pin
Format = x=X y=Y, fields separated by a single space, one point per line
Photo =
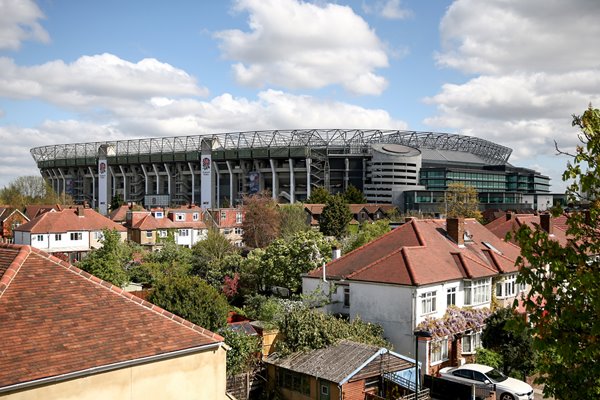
x=149 y=234
x=346 y=297
x=223 y=215
x=239 y=231
x=76 y=236
x=98 y=235
x=58 y=237
x=439 y=350
x=451 y=296
x=162 y=233
x=471 y=342
x=477 y=292
x=195 y=216
x=158 y=214
x=238 y=217
x=507 y=286
x=294 y=381
x=428 y=302
x=184 y=232
x=227 y=231
x=39 y=238
x=179 y=217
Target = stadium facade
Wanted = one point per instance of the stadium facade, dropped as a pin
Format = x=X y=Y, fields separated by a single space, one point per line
x=407 y=168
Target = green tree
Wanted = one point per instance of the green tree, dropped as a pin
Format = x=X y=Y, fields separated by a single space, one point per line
x=461 y=201
x=117 y=201
x=368 y=232
x=564 y=301
x=193 y=299
x=354 y=196
x=26 y=190
x=212 y=257
x=514 y=346
x=489 y=358
x=109 y=261
x=318 y=195
x=261 y=220
x=244 y=350
x=335 y=217
x=283 y=261
x=293 y=219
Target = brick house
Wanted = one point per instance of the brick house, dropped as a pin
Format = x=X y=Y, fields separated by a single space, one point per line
x=10 y=218
x=418 y=272
x=67 y=334
x=189 y=225
x=229 y=222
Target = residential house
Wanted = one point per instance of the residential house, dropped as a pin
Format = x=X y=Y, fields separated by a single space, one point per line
x=69 y=335
x=360 y=213
x=347 y=370
x=35 y=210
x=72 y=232
x=119 y=215
x=149 y=228
x=510 y=222
x=415 y=273
x=10 y=218
x=229 y=222
x=189 y=225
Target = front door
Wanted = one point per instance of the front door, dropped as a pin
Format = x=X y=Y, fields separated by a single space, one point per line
x=323 y=390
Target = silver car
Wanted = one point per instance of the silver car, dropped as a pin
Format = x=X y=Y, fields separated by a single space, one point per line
x=484 y=376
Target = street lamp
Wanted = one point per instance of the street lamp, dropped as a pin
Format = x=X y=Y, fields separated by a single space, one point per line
x=418 y=334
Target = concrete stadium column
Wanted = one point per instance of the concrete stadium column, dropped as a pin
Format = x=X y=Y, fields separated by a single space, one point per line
x=218 y=184
x=230 y=182
x=64 y=185
x=93 y=205
x=145 y=179
x=57 y=180
x=124 y=183
x=114 y=181
x=169 y=179
x=346 y=173
x=274 y=179
x=193 y=183
x=207 y=176
x=308 y=162
x=292 y=182
x=157 y=178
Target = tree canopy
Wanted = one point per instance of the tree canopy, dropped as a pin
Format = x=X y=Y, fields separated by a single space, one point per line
x=293 y=219
x=564 y=301
x=109 y=261
x=261 y=220
x=461 y=201
x=26 y=190
x=318 y=195
x=335 y=217
x=354 y=196
x=368 y=232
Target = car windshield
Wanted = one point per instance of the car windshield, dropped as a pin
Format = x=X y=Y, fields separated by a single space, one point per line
x=496 y=376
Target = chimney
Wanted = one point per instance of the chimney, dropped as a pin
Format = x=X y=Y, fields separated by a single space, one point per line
x=335 y=253
x=80 y=212
x=509 y=215
x=455 y=227
x=546 y=223
x=324 y=272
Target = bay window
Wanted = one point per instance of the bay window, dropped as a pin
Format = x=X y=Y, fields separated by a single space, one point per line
x=477 y=292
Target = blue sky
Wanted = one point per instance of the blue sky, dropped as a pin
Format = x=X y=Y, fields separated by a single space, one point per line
x=505 y=70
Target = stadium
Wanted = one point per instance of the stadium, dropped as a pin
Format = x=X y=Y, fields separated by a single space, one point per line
x=407 y=168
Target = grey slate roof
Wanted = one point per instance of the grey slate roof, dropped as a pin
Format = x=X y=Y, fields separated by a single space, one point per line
x=334 y=363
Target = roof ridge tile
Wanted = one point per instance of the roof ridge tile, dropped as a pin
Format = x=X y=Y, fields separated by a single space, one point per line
x=15 y=265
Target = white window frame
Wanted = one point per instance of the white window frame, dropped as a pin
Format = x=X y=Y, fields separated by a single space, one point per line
x=75 y=236
x=39 y=238
x=163 y=233
x=98 y=235
x=159 y=214
x=184 y=232
x=238 y=217
x=195 y=216
x=438 y=350
x=223 y=215
x=428 y=302
x=471 y=342
x=58 y=237
x=239 y=231
x=507 y=286
x=451 y=293
x=148 y=234
x=477 y=292
x=346 y=296
x=179 y=217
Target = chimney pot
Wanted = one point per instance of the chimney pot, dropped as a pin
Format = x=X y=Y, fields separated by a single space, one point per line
x=335 y=253
x=455 y=227
x=509 y=215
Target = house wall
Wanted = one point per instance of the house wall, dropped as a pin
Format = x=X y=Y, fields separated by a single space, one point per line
x=192 y=377
x=25 y=238
x=353 y=390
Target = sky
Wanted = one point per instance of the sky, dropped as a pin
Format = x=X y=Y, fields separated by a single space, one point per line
x=510 y=71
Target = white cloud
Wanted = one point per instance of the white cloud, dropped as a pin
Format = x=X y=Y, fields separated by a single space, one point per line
x=533 y=64
x=101 y=80
x=293 y=44
x=19 y=22
x=389 y=9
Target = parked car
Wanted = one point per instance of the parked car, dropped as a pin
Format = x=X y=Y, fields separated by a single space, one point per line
x=482 y=375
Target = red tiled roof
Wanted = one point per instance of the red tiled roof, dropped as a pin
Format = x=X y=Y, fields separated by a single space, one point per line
x=120 y=214
x=501 y=226
x=150 y=223
x=35 y=210
x=420 y=252
x=69 y=220
x=56 y=319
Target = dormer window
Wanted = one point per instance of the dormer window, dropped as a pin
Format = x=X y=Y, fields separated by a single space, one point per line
x=238 y=217
x=179 y=217
x=159 y=214
x=491 y=247
x=195 y=216
x=468 y=237
x=223 y=215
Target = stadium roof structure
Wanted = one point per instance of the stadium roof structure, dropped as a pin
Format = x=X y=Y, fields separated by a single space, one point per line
x=348 y=141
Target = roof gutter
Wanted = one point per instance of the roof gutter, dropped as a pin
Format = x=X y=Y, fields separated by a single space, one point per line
x=108 y=367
